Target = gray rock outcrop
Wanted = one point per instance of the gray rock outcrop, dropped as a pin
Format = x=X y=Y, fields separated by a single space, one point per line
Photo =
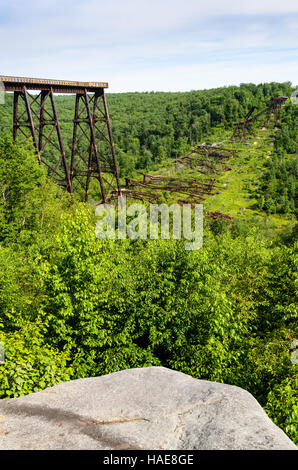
x=150 y=408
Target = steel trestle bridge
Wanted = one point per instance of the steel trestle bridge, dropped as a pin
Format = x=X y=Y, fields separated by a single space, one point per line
x=92 y=149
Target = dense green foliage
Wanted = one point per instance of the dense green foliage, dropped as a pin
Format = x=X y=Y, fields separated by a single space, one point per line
x=19 y=178
x=73 y=306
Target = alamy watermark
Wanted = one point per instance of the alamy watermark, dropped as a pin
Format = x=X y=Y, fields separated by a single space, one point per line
x=2 y=93
x=158 y=221
x=2 y=353
x=294 y=97
x=294 y=354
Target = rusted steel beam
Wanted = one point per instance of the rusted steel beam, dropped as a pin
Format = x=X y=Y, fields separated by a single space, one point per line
x=12 y=83
x=92 y=133
x=43 y=97
x=74 y=138
x=62 y=151
x=206 y=158
x=115 y=166
x=193 y=189
x=92 y=153
x=244 y=127
x=61 y=90
x=274 y=107
x=30 y=119
x=189 y=181
x=218 y=215
x=93 y=148
x=33 y=119
x=15 y=115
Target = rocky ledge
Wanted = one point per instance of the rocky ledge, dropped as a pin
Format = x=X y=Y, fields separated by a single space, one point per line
x=150 y=408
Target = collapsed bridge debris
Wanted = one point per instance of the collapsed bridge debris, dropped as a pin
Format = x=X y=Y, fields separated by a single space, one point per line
x=213 y=158
x=154 y=189
x=218 y=215
x=193 y=189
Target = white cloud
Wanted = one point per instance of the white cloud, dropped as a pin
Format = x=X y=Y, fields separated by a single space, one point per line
x=195 y=77
x=119 y=40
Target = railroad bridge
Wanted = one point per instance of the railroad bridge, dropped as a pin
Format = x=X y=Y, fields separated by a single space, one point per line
x=92 y=150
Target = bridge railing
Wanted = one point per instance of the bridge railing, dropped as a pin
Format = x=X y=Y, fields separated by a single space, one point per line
x=45 y=81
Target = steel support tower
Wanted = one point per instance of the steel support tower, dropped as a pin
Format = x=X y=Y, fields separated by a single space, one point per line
x=243 y=127
x=274 y=107
x=92 y=153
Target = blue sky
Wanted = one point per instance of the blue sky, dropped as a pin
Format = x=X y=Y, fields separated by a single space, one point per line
x=144 y=45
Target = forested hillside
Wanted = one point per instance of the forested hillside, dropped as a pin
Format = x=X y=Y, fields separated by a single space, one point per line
x=148 y=127
x=152 y=126
x=74 y=306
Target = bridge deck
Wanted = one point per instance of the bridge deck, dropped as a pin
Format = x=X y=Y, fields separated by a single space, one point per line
x=59 y=86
